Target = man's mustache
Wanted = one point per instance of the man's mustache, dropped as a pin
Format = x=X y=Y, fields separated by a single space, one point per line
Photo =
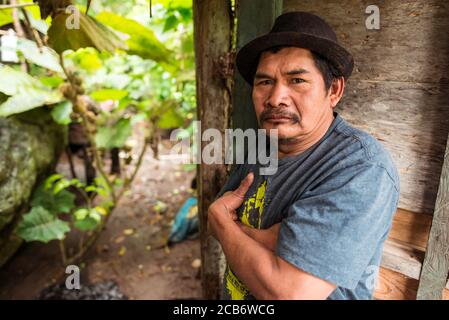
x=270 y=113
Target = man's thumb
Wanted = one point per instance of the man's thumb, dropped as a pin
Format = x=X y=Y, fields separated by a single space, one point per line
x=244 y=186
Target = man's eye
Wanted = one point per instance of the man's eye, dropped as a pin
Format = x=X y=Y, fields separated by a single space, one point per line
x=265 y=82
x=297 y=80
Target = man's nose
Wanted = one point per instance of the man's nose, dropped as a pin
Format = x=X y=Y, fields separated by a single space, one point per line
x=278 y=96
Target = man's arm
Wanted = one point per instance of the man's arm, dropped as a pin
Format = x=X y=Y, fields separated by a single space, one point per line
x=267 y=237
x=266 y=275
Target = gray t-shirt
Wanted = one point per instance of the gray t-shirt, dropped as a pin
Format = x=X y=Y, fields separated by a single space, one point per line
x=336 y=202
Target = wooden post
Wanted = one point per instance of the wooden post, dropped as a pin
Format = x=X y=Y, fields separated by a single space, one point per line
x=212 y=32
x=254 y=18
x=436 y=262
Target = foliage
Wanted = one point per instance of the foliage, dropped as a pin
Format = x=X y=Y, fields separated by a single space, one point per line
x=54 y=213
x=117 y=69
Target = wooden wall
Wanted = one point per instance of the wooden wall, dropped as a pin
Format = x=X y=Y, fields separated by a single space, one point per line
x=399 y=92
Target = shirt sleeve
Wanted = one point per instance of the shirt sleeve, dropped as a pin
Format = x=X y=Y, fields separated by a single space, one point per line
x=333 y=231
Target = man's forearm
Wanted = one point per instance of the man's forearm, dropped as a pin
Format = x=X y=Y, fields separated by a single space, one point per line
x=251 y=261
x=266 y=237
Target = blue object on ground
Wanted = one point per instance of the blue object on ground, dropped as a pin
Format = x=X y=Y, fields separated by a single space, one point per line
x=186 y=221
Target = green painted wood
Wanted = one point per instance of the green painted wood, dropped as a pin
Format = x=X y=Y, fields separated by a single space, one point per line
x=436 y=262
x=254 y=18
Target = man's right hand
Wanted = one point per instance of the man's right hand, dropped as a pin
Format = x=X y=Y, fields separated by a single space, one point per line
x=267 y=237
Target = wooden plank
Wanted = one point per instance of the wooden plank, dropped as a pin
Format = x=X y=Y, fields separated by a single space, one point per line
x=254 y=19
x=436 y=263
x=395 y=286
x=400 y=258
x=411 y=229
x=212 y=32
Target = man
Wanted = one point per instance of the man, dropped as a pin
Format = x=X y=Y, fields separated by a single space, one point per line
x=315 y=229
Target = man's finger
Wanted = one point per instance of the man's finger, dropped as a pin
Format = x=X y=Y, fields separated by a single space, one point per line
x=244 y=186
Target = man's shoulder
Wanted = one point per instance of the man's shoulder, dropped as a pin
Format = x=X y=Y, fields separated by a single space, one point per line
x=366 y=149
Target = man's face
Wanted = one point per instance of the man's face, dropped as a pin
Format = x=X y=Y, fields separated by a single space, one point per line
x=289 y=94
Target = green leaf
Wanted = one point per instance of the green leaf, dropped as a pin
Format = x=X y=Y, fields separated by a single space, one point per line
x=102 y=187
x=170 y=23
x=174 y=3
x=3 y=97
x=87 y=219
x=86 y=58
x=6 y=17
x=61 y=185
x=61 y=112
x=48 y=183
x=109 y=94
x=142 y=41
x=186 y=13
x=90 y=33
x=91 y=189
x=170 y=119
x=16 y=80
x=81 y=214
x=26 y=92
x=40 y=225
x=27 y=99
x=43 y=57
x=61 y=202
x=87 y=224
x=114 y=136
x=52 y=81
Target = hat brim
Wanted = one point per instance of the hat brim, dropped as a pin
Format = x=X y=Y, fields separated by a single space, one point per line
x=248 y=56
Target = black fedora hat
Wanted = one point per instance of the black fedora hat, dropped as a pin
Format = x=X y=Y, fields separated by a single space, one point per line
x=296 y=29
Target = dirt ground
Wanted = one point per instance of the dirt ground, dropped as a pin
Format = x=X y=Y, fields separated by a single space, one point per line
x=131 y=249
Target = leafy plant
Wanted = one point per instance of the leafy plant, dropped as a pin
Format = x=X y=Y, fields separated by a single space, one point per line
x=113 y=71
x=53 y=211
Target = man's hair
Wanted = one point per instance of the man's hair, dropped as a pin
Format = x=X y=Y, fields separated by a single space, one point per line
x=326 y=68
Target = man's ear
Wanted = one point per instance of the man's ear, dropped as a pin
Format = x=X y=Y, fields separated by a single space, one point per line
x=336 y=91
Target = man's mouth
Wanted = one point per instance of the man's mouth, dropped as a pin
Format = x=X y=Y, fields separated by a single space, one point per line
x=278 y=119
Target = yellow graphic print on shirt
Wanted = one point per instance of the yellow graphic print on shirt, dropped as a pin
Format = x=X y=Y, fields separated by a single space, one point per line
x=252 y=217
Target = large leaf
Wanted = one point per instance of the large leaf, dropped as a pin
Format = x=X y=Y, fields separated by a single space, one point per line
x=26 y=92
x=27 y=99
x=142 y=41
x=61 y=202
x=16 y=81
x=44 y=57
x=90 y=33
x=40 y=225
x=114 y=136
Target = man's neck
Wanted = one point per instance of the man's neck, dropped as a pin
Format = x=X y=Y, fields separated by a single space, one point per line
x=296 y=147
